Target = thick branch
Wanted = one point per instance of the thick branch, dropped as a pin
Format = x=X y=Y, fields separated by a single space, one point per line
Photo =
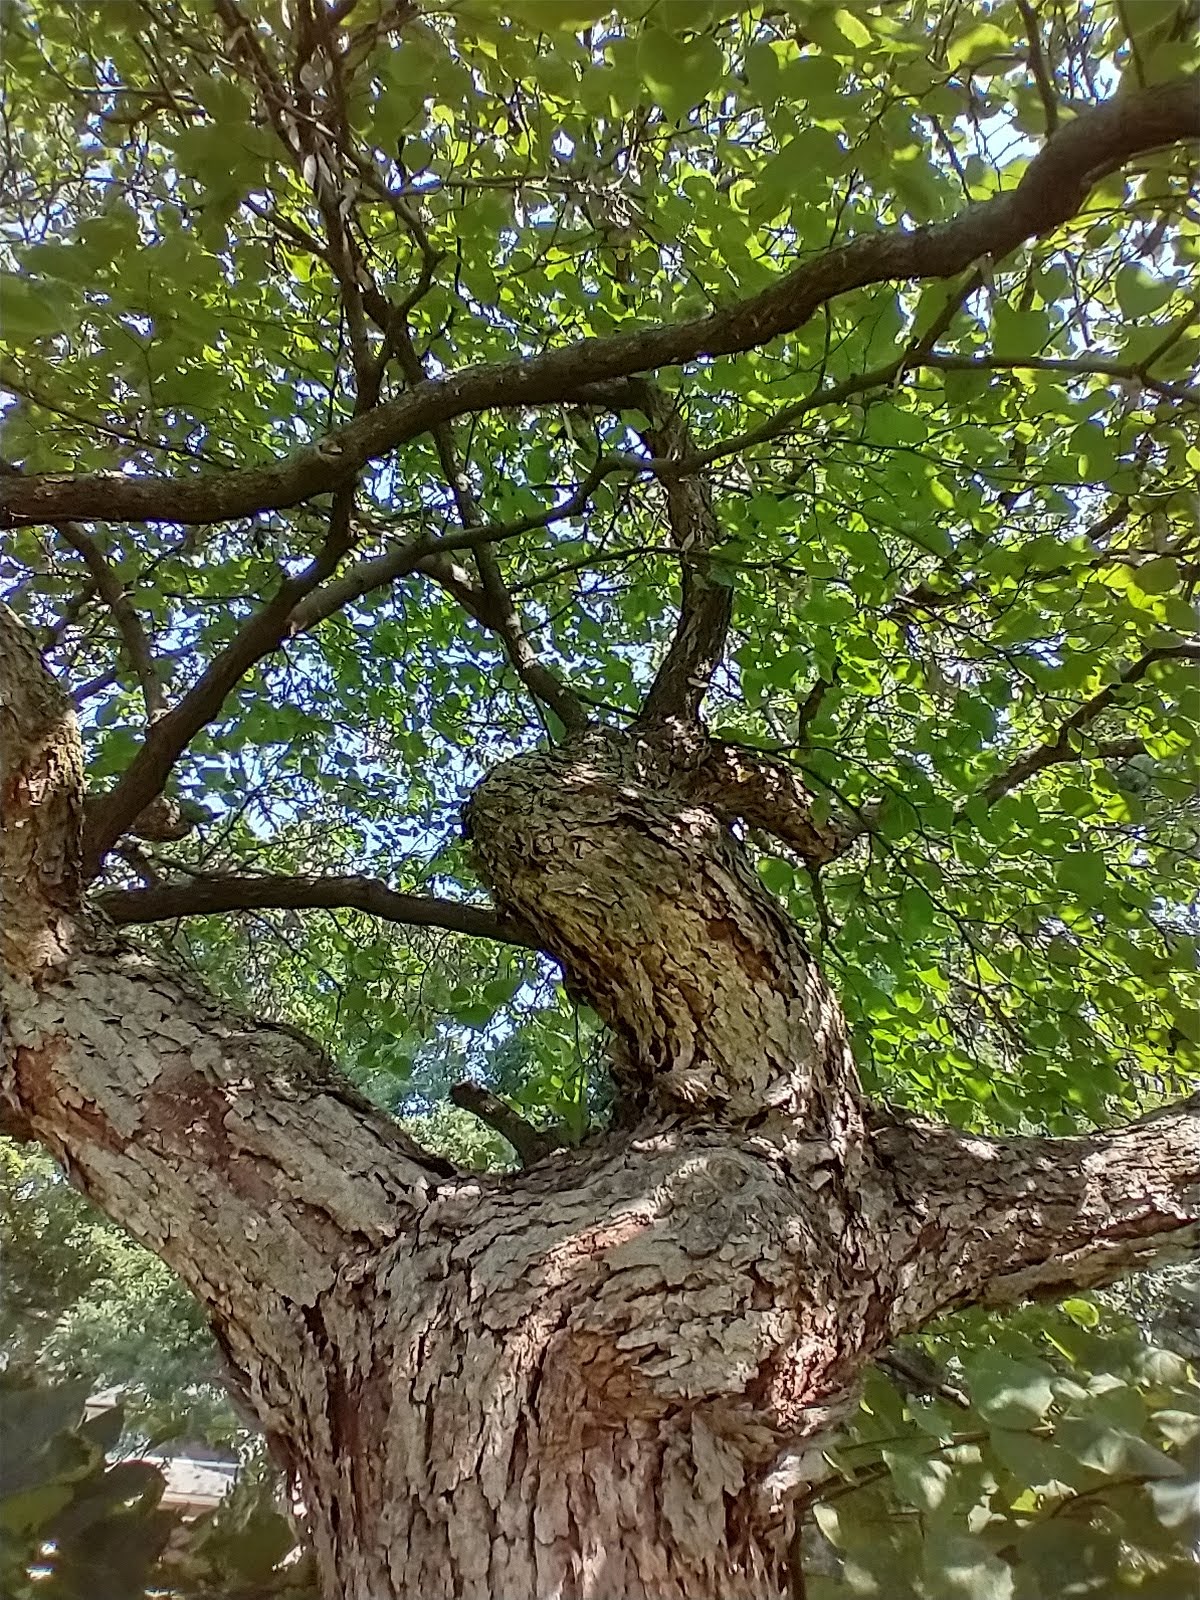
x=41 y=790
x=996 y=1221
x=735 y=781
x=660 y=922
x=202 y=897
x=706 y=598
x=1051 y=190
x=230 y=1147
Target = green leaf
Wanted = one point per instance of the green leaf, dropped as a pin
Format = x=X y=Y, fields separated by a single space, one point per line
x=958 y=1567
x=1083 y=875
x=887 y=424
x=1019 y=333
x=1158 y=576
x=30 y=311
x=1063 y=1551
x=852 y=28
x=975 y=42
x=1095 y=452
x=924 y=1482
x=1013 y=1394
x=1082 y=1311
x=1112 y=1451
x=1033 y=1462
x=678 y=74
x=1139 y=293
x=31 y=1510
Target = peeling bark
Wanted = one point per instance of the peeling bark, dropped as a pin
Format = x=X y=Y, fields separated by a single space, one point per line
x=41 y=803
x=660 y=920
x=608 y=1375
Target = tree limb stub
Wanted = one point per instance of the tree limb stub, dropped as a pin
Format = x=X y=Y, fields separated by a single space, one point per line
x=1051 y=191
x=769 y=795
x=531 y=1144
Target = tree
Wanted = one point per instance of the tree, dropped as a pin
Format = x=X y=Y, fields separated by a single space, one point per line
x=411 y=402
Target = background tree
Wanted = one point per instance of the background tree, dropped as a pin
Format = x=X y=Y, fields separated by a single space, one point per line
x=413 y=403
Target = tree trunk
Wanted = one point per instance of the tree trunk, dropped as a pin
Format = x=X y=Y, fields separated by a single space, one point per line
x=608 y=1375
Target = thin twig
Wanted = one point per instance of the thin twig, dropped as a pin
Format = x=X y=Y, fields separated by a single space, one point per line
x=1038 y=66
x=1060 y=747
x=111 y=590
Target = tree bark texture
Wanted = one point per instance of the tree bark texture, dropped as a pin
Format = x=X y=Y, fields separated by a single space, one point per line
x=607 y=1375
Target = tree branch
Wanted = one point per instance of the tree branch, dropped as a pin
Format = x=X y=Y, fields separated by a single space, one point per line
x=736 y=781
x=230 y=1147
x=1037 y=64
x=127 y=1074
x=110 y=589
x=488 y=601
x=314 y=138
x=493 y=609
x=149 y=770
x=917 y=353
x=996 y=1221
x=706 y=598
x=1070 y=367
x=202 y=897
x=531 y=1144
x=41 y=809
x=1051 y=190
x=1060 y=747
x=409 y=555
x=300 y=603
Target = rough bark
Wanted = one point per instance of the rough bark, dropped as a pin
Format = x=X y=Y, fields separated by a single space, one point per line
x=607 y=1375
x=713 y=998
x=41 y=796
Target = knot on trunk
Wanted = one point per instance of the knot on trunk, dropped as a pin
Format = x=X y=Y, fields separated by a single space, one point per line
x=655 y=911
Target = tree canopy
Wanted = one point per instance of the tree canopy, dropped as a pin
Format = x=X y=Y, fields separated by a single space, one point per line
x=388 y=388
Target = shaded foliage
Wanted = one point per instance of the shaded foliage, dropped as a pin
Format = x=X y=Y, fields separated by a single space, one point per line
x=77 y=1525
